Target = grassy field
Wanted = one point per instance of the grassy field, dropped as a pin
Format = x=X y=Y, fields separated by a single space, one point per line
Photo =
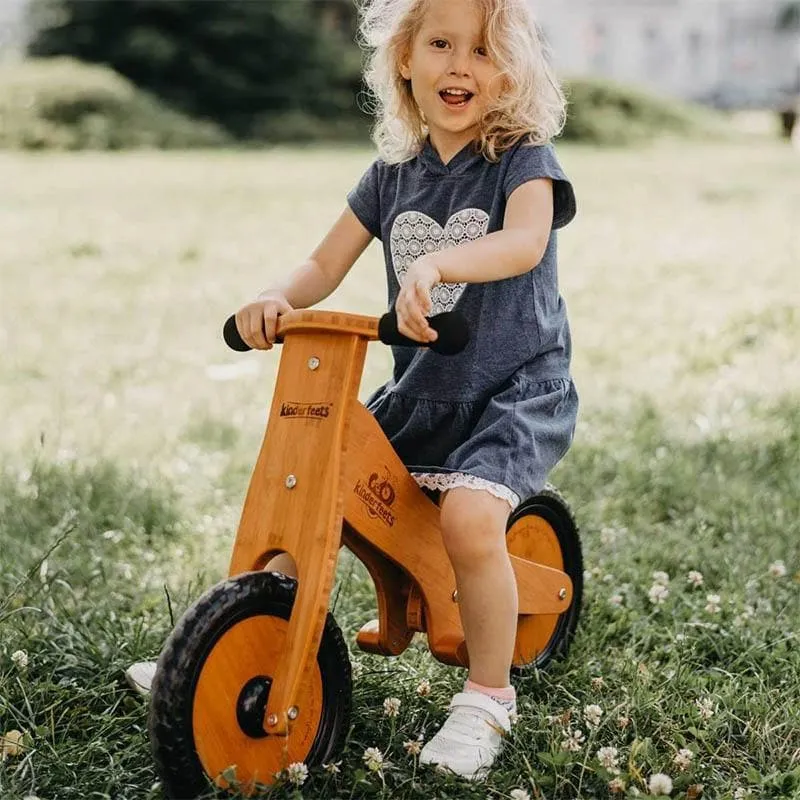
x=130 y=431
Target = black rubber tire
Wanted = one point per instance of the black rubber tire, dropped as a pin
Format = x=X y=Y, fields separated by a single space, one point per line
x=552 y=507
x=218 y=610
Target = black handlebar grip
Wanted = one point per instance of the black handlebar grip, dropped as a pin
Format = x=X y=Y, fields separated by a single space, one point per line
x=451 y=326
x=230 y=333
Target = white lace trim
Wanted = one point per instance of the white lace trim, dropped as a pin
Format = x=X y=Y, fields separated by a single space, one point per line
x=442 y=481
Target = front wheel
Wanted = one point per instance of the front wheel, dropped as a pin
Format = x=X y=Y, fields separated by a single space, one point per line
x=212 y=684
x=542 y=529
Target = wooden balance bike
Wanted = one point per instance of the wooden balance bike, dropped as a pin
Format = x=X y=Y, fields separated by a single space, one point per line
x=256 y=674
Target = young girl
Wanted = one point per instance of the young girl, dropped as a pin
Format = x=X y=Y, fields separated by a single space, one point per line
x=465 y=198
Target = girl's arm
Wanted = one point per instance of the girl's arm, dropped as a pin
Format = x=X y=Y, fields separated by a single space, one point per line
x=517 y=248
x=307 y=285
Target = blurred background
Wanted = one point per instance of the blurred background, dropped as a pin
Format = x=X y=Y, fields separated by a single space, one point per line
x=289 y=70
x=162 y=161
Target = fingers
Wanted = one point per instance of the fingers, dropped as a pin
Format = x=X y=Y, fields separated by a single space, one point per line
x=412 y=305
x=258 y=322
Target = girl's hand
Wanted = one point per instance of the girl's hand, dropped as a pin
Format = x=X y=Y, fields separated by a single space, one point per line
x=414 y=303
x=257 y=321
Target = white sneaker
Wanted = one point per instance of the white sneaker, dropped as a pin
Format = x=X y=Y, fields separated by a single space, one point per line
x=471 y=737
x=140 y=676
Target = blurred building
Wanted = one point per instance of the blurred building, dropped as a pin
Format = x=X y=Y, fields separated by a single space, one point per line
x=12 y=36
x=730 y=53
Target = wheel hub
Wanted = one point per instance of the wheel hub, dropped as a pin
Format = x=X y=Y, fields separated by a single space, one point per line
x=251 y=706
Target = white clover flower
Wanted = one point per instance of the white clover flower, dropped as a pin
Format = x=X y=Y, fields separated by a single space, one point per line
x=683 y=759
x=424 y=687
x=713 y=606
x=519 y=794
x=20 y=659
x=661 y=578
x=616 y=786
x=658 y=593
x=660 y=784
x=296 y=773
x=608 y=757
x=742 y=794
x=413 y=746
x=373 y=758
x=706 y=706
x=695 y=578
x=777 y=569
x=616 y=599
x=574 y=740
x=607 y=535
x=598 y=683
x=513 y=717
x=332 y=767
x=592 y=715
x=391 y=706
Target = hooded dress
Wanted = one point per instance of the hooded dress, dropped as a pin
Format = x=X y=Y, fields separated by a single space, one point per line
x=499 y=415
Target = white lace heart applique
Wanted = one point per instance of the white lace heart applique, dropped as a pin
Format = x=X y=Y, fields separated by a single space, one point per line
x=414 y=234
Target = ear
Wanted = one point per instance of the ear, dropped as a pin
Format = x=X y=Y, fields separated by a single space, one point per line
x=404 y=62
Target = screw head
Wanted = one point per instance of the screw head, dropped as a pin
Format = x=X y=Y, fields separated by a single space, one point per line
x=313 y=363
x=455 y=596
x=291 y=481
x=293 y=712
x=272 y=720
x=562 y=594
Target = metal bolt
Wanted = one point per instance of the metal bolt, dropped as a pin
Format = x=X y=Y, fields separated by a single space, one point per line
x=293 y=712
x=272 y=720
x=455 y=596
x=562 y=594
x=291 y=481
x=313 y=362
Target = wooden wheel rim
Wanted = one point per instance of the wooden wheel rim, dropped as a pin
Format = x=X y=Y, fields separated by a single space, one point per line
x=250 y=648
x=532 y=537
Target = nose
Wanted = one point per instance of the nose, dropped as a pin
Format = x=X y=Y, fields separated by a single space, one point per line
x=459 y=63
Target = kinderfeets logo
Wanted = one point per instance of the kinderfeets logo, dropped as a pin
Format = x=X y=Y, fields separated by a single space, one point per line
x=306 y=410
x=377 y=494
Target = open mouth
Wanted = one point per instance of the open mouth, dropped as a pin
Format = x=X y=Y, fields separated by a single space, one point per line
x=456 y=97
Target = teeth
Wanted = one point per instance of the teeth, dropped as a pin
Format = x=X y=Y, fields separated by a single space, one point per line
x=459 y=92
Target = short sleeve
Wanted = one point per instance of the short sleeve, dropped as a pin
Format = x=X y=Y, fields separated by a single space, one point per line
x=364 y=200
x=529 y=162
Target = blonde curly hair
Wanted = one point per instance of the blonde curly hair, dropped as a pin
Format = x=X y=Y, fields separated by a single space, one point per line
x=532 y=105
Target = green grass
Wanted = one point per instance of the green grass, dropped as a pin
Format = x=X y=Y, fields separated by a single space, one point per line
x=131 y=433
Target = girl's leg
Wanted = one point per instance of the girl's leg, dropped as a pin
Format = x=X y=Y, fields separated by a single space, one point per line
x=474 y=532
x=473 y=529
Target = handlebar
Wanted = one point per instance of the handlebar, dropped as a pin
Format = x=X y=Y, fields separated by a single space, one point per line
x=451 y=326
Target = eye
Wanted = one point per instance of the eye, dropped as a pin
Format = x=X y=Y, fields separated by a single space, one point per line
x=481 y=51
x=439 y=44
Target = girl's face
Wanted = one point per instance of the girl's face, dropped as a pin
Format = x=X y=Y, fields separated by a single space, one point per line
x=453 y=79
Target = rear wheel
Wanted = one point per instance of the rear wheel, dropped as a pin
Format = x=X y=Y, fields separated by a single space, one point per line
x=212 y=685
x=542 y=529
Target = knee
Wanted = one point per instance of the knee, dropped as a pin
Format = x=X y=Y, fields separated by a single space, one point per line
x=473 y=528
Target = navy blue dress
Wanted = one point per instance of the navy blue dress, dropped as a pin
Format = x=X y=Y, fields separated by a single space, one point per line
x=499 y=415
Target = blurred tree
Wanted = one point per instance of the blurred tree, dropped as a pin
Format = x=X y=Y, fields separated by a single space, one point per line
x=236 y=61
